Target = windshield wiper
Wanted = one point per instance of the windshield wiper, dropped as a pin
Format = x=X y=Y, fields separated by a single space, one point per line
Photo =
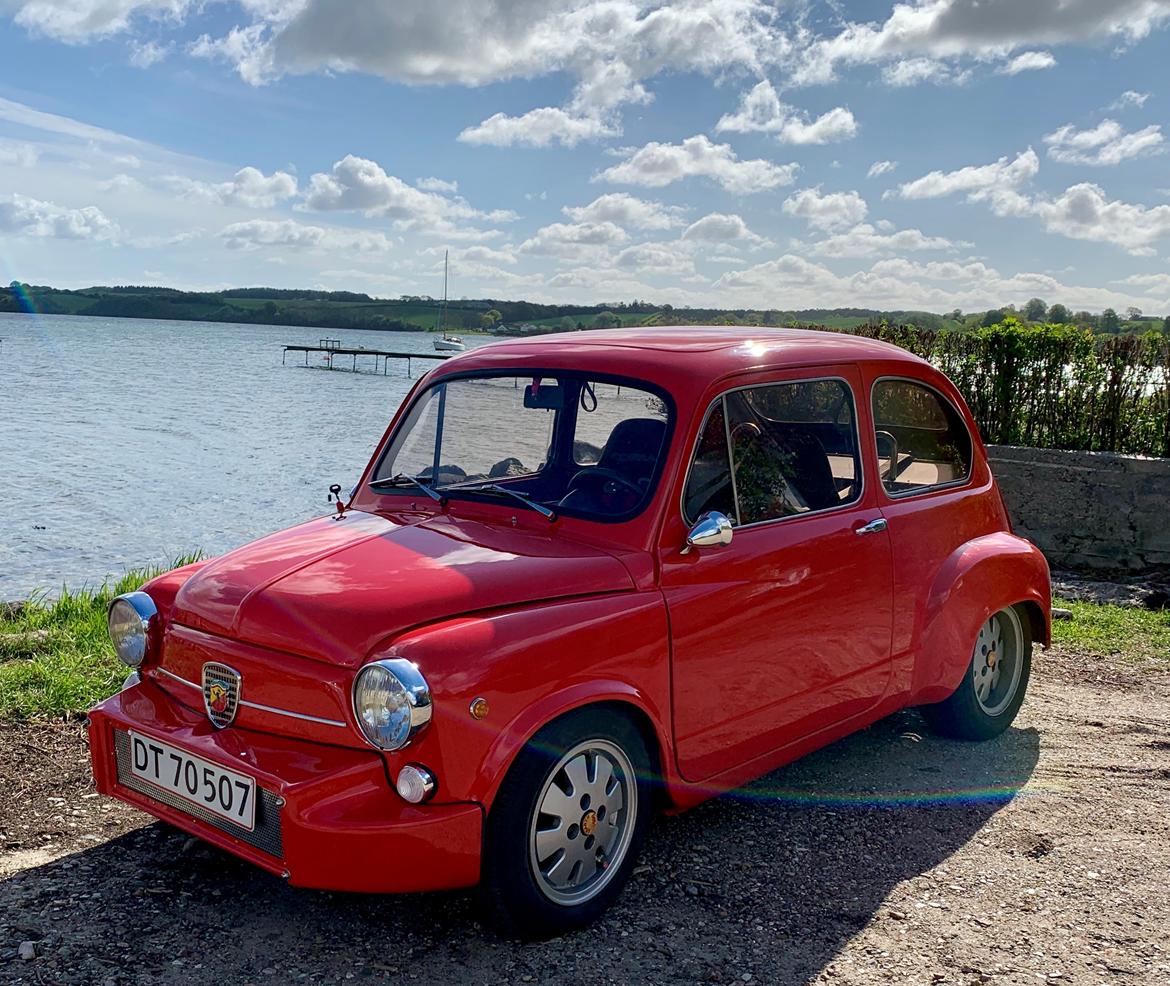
x=499 y=490
x=402 y=479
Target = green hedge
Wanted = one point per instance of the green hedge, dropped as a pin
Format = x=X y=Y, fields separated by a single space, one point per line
x=1053 y=386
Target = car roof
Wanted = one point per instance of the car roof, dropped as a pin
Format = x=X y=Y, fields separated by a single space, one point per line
x=710 y=351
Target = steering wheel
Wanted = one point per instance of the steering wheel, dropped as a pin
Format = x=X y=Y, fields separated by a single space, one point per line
x=600 y=472
x=745 y=429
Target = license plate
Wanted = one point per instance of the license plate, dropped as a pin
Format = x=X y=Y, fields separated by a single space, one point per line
x=195 y=780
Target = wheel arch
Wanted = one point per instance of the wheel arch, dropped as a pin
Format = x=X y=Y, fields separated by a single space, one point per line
x=978 y=579
x=610 y=696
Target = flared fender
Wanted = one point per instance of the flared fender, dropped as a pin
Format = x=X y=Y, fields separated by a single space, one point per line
x=979 y=578
x=532 y=665
x=615 y=694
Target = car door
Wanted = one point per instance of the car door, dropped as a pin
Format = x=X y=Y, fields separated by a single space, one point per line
x=785 y=630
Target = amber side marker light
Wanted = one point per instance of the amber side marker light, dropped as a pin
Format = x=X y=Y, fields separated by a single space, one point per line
x=478 y=708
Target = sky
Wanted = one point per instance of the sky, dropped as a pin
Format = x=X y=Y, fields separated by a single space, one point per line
x=924 y=155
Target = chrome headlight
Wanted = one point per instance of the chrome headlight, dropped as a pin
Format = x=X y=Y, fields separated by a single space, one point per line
x=133 y=623
x=391 y=701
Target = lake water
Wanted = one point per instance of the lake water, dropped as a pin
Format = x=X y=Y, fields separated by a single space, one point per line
x=126 y=442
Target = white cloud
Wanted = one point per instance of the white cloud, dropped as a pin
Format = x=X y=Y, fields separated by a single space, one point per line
x=18 y=154
x=610 y=48
x=1028 y=61
x=657 y=258
x=865 y=240
x=915 y=71
x=791 y=281
x=656 y=165
x=485 y=255
x=1081 y=212
x=147 y=53
x=256 y=233
x=439 y=185
x=574 y=241
x=880 y=168
x=626 y=210
x=249 y=187
x=538 y=128
x=1105 y=144
x=120 y=183
x=1151 y=282
x=826 y=212
x=26 y=116
x=1129 y=98
x=77 y=21
x=26 y=216
x=997 y=183
x=761 y=111
x=977 y=29
x=720 y=227
x=357 y=184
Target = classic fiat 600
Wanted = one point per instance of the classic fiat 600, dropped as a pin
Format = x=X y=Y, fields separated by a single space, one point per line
x=583 y=577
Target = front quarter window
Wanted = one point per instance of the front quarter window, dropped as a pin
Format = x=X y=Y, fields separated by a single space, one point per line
x=576 y=445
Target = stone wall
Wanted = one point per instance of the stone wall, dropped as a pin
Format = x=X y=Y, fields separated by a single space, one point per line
x=1092 y=510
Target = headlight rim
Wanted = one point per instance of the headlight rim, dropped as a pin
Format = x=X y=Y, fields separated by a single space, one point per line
x=148 y=619
x=418 y=697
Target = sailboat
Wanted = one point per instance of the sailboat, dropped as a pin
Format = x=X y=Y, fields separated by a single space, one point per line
x=447 y=343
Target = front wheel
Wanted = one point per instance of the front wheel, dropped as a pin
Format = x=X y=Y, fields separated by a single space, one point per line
x=566 y=827
x=993 y=687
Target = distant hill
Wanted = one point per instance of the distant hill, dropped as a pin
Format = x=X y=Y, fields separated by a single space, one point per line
x=353 y=310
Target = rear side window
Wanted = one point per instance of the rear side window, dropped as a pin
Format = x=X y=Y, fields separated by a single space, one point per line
x=777 y=451
x=922 y=440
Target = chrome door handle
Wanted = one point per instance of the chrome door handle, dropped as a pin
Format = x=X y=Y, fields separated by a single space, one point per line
x=872 y=527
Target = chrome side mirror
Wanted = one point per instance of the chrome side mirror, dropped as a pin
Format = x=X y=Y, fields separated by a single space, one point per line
x=711 y=530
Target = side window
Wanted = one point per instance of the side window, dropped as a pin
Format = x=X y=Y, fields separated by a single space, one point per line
x=793 y=448
x=921 y=438
x=602 y=409
x=709 y=480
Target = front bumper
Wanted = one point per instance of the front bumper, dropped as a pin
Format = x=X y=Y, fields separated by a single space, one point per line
x=327 y=817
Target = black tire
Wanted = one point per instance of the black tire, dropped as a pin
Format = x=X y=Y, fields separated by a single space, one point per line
x=511 y=894
x=964 y=715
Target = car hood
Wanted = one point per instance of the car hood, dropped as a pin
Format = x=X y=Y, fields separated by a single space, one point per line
x=334 y=589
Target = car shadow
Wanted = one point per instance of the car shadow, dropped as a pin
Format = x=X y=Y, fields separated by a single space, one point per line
x=772 y=880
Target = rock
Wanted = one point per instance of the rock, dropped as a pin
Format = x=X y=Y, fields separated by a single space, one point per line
x=27 y=951
x=1061 y=614
x=1139 y=592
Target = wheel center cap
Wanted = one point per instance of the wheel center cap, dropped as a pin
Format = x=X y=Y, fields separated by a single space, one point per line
x=589 y=822
x=991 y=659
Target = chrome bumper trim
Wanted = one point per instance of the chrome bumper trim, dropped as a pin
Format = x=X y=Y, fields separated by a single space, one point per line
x=256 y=705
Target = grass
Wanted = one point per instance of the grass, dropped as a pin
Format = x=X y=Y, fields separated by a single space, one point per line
x=56 y=659
x=1118 y=631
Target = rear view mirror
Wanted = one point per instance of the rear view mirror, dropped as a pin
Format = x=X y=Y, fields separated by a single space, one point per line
x=711 y=530
x=547 y=397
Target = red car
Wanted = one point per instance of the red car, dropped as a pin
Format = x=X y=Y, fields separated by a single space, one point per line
x=583 y=577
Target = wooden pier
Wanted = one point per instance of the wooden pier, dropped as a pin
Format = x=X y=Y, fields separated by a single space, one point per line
x=331 y=348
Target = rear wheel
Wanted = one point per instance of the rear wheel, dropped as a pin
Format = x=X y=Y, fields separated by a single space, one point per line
x=567 y=825
x=993 y=687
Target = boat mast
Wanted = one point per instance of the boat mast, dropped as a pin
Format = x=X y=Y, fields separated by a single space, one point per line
x=443 y=307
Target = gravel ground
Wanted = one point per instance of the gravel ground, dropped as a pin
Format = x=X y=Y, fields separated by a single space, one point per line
x=890 y=857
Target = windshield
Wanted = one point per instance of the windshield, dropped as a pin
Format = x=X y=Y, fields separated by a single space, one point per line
x=576 y=445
